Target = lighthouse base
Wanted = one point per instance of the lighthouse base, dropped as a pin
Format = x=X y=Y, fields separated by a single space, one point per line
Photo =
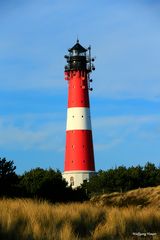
x=76 y=178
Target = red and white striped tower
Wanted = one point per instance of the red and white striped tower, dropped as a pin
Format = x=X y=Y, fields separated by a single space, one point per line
x=79 y=155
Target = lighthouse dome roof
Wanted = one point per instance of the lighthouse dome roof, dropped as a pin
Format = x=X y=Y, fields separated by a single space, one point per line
x=77 y=47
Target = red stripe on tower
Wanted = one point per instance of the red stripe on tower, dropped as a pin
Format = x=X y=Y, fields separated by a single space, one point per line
x=79 y=155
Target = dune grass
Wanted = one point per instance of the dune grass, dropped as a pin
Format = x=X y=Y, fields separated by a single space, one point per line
x=33 y=220
x=142 y=197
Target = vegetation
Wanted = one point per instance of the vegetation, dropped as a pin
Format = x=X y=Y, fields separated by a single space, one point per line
x=8 y=177
x=28 y=219
x=49 y=185
x=46 y=184
x=37 y=184
x=29 y=212
x=142 y=197
x=122 y=179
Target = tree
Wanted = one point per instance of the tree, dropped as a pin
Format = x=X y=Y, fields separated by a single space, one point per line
x=135 y=177
x=49 y=185
x=44 y=184
x=151 y=175
x=8 y=177
x=123 y=179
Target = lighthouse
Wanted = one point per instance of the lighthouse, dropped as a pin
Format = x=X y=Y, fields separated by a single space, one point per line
x=79 y=155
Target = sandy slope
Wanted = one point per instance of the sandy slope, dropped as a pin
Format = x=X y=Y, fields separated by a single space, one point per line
x=141 y=197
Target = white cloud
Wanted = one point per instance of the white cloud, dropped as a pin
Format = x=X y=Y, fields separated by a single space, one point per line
x=47 y=132
x=117 y=121
x=111 y=132
x=31 y=132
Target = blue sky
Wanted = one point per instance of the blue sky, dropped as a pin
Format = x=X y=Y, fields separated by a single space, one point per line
x=124 y=36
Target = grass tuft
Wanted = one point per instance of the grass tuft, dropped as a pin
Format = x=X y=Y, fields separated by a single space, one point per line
x=33 y=220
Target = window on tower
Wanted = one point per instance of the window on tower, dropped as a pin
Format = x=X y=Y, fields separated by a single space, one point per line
x=72 y=181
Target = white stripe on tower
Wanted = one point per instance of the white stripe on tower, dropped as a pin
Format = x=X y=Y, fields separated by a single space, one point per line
x=78 y=118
